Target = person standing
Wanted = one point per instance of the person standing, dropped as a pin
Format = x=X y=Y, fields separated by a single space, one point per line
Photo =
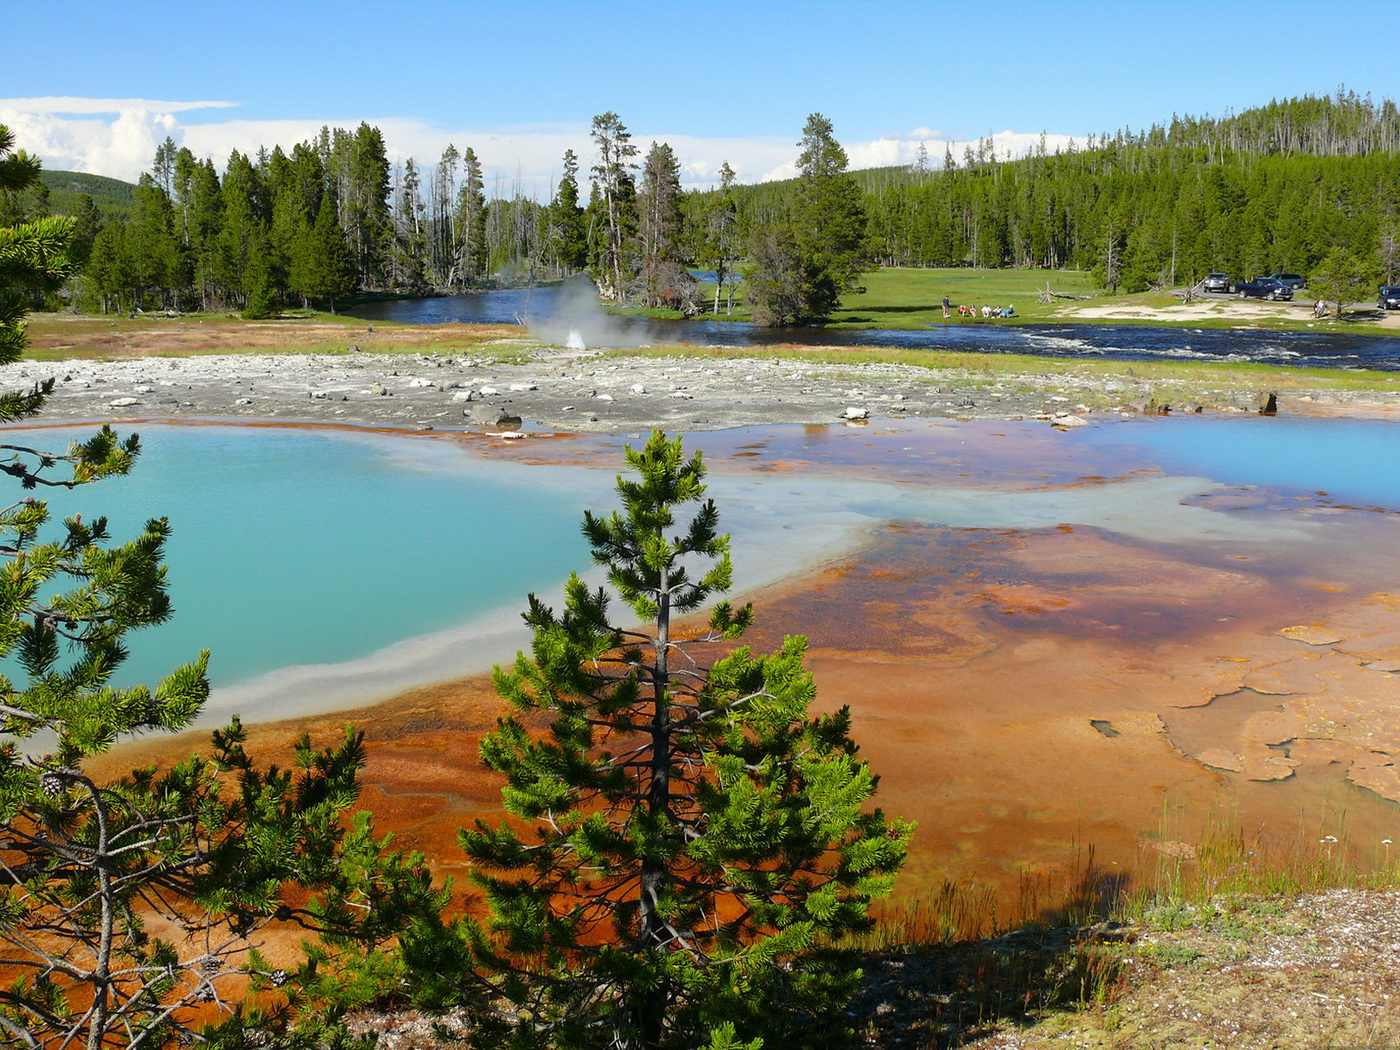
x=946 y=305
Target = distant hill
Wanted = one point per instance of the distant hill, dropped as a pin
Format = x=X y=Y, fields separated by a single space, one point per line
x=112 y=196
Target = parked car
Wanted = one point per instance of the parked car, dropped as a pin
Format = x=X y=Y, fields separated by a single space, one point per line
x=1389 y=298
x=1216 y=282
x=1264 y=288
x=1293 y=280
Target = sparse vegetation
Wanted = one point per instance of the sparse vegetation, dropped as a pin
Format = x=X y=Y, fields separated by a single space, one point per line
x=1263 y=943
x=61 y=337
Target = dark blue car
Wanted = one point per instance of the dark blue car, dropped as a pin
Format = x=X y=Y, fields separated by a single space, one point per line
x=1264 y=288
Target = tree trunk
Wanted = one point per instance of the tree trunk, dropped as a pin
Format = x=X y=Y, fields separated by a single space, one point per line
x=651 y=1011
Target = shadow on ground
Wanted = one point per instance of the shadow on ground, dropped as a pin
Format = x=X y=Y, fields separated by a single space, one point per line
x=932 y=996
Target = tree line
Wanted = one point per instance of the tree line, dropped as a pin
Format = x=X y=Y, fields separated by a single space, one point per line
x=1139 y=215
x=1308 y=185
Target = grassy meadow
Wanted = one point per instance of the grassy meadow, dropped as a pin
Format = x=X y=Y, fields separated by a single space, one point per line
x=911 y=298
x=902 y=297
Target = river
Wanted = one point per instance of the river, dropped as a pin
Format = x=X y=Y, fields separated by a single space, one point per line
x=554 y=312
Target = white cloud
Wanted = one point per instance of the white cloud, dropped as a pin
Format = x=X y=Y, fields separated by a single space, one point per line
x=118 y=138
x=69 y=104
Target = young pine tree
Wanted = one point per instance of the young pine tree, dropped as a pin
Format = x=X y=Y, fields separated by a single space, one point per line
x=688 y=845
x=131 y=909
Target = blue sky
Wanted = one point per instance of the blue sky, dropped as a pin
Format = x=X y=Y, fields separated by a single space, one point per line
x=99 y=84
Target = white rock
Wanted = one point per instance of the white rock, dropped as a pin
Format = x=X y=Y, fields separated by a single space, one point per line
x=123 y=402
x=605 y=397
x=462 y=395
x=524 y=386
x=488 y=390
x=421 y=383
x=856 y=413
x=637 y=388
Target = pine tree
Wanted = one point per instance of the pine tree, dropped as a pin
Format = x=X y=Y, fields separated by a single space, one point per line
x=828 y=217
x=33 y=260
x=131 y=910
x=323 y=264
x=444 y=204
x=698 y=844
x=241 y=236
x=613 y=176
x=567 y=230
x=776 y=276
x=363 y=199
x=719 y=240
x=471 y=222
x=1342 y=279
x=410 y=242
x=662 y=278
x=821 y=252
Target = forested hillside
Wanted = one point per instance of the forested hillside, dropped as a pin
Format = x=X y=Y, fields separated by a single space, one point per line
x=112 y=197
x=1290 y=186
x=1309 y=185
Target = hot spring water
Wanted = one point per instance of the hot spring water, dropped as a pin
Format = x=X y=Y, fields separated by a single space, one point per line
x=329 y=568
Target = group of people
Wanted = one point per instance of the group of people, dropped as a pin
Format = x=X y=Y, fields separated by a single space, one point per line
x=973 y=311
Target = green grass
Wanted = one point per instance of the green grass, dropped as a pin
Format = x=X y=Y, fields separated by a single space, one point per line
x=907 y=297
x=912 y=298
x=899 y=297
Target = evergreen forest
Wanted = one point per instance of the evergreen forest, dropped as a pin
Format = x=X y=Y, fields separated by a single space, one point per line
x=1309 y=185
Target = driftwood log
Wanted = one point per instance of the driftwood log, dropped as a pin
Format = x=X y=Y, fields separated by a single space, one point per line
x=1046 y=295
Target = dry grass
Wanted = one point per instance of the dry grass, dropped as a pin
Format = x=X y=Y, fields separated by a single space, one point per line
x=1234 y=941
x=67 y=336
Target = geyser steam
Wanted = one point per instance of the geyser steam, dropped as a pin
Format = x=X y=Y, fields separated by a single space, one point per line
x=579 y=322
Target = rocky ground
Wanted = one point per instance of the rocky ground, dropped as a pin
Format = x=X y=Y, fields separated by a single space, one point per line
x=585 y=392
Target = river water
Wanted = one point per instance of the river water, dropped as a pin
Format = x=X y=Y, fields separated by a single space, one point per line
x=556 y=311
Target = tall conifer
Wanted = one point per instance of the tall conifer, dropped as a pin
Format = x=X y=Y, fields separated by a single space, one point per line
x=688 y=844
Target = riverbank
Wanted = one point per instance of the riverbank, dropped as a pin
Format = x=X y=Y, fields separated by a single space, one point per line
x=481 y=378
